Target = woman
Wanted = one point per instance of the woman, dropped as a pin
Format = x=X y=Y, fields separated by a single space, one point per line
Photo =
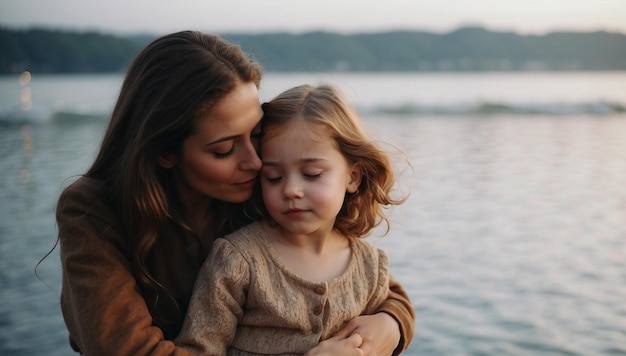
x=177 y=160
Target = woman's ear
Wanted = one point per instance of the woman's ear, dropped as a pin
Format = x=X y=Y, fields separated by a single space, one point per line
x=168 y=161
x=355 y=179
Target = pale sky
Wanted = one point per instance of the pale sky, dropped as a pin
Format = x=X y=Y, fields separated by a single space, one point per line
x=344 y=16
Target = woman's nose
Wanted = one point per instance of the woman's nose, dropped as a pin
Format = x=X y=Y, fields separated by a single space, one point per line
x=251 y=161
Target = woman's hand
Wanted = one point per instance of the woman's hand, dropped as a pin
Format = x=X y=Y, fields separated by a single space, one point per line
x=338 y=346
x=380 y=333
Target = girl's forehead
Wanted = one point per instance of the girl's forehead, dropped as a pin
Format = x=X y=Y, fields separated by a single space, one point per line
x=297 y=145
x=294 y=137
x=298 y=126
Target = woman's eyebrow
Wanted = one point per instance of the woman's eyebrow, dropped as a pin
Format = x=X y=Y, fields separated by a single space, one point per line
x=232 y=137
x=223 y=139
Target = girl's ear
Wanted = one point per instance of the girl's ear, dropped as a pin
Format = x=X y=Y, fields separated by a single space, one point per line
x=355 y=178
x=168 y=161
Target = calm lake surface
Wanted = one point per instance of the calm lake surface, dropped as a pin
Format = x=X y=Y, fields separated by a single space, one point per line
x=513 y=240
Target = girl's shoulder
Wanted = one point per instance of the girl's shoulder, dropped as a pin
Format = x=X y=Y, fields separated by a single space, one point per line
x=247 y=234
x=365 y=249
x=247 y=239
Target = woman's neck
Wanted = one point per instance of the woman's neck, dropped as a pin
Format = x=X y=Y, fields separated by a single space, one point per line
x=197 y=211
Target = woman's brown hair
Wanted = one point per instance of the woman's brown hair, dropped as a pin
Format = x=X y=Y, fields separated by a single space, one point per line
x=168 y=84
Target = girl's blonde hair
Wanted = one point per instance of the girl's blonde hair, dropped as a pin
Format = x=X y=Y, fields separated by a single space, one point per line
x=327 y=108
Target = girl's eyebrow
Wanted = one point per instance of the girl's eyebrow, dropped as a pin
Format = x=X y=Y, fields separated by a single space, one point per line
x=303 y=160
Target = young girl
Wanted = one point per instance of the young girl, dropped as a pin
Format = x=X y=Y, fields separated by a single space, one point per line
x=293 y=278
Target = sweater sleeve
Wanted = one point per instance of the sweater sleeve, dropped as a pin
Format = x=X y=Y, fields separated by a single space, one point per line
x=381 y=287
x=400 y=308
x=216 y=304
x=102 y=308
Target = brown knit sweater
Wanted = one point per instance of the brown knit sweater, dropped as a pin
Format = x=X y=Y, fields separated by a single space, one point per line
x=104 y=310
x=248 y=299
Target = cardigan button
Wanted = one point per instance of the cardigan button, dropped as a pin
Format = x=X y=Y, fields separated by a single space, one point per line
x=319 y=290
x=317 y=310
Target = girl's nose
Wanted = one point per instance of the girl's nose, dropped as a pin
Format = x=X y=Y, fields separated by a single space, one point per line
x=292 y=189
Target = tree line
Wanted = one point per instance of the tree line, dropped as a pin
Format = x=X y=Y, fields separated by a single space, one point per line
x=465 y=49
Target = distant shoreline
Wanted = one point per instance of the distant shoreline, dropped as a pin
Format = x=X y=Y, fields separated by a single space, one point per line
x=469 y=49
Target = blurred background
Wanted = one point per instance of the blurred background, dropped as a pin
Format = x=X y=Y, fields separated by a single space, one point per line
x=510 y=116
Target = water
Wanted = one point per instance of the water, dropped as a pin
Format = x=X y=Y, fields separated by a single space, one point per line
x=513 y=240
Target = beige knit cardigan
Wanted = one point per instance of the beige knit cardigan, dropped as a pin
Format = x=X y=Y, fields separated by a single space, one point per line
x=247 y=302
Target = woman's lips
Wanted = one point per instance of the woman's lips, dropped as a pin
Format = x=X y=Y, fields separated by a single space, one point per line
x=247 y=184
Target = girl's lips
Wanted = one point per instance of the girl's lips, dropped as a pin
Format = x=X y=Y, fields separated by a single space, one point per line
x=294 y=213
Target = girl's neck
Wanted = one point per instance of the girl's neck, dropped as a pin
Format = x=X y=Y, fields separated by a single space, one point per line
x=316 y=257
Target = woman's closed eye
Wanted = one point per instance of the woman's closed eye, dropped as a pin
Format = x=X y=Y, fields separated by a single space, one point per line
x=222 y=155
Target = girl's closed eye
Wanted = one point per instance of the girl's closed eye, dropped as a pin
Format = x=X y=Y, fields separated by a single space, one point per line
x=273 y=179
x=312 y=175
x=271 y=175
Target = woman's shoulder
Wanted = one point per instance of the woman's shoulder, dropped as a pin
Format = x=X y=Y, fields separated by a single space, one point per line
x=84 y=196
x=87 y=204
x=85 y=188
